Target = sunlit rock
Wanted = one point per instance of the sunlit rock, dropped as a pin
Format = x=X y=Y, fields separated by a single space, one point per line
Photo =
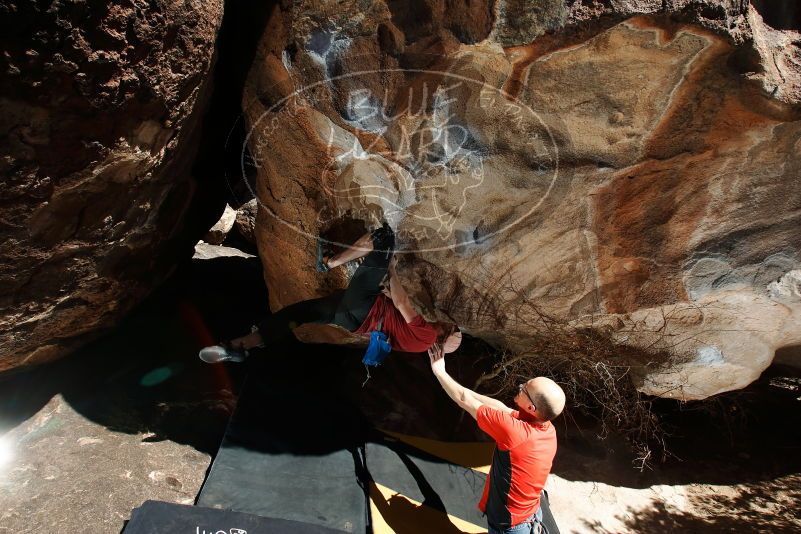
x=217 y=233
x=245 y=222
x=588 y=161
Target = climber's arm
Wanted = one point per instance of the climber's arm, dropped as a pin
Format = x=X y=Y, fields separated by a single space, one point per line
x=362 y=247
x=399 y=296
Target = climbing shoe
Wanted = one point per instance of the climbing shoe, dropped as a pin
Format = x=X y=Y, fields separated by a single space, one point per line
x=223 y=352
x=320 y=265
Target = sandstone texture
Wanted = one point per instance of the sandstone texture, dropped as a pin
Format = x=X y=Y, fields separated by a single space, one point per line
x=245 y=222
x=100 y=107
x=207 y=251
x=627 y=165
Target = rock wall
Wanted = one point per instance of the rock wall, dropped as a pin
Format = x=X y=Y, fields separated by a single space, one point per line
x=600 y=162
x=100 y=107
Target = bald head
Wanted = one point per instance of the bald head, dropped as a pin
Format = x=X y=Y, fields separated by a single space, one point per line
x=547 y=396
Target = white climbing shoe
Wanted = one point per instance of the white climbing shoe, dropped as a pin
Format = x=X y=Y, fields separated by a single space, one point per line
x=222 y=353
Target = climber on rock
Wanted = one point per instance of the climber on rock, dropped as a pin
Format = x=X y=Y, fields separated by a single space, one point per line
x=366 y=305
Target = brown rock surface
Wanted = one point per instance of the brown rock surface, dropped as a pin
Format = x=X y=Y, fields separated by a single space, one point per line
x=245 y=222
x=594 y=159
x=99 y=124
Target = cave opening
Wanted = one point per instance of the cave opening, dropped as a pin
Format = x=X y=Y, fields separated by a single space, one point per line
x=743 y=435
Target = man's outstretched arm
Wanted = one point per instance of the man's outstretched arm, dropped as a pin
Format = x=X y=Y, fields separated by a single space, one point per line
x=492 y=403
x=467 y=399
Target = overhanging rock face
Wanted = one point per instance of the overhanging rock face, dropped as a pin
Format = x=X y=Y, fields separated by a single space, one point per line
x=593 y=160
x=100 y=108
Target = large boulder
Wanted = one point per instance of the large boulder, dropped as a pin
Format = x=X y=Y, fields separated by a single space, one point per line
x=593 y=162
x=99 y=123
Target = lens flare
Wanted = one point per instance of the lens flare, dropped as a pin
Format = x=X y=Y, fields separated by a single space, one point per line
x=156 y=376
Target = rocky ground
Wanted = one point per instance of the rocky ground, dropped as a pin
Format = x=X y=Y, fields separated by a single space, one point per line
x=133 y=416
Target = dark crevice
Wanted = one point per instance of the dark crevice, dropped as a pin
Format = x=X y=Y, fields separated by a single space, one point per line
x=218 y=166
x=789 y=355
x=779 y=14
x=342 y=230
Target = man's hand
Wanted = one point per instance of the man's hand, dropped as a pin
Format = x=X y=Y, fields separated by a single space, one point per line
x=437 y=358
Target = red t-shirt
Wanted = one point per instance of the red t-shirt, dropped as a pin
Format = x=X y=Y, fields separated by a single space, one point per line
x=415 y=336
x=520 y=465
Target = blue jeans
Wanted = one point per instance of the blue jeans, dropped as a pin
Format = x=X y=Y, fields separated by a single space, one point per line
x=530 y=526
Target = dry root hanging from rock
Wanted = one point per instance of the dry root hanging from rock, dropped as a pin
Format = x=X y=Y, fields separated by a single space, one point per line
x=598 y=374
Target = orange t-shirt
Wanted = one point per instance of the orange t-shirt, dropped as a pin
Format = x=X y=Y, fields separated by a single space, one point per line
x=414 y=336
x=522 y=460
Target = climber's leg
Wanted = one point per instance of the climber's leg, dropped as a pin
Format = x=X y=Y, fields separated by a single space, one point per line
x=347 y=308
x=280 y=324
x=273 y=328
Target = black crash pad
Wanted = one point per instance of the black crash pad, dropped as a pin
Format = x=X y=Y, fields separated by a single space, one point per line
x=155 y=517
x=295 y=450
x=292 y=450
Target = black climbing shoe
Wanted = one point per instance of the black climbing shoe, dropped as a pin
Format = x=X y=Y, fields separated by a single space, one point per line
x=320 y=265
x=222 y=353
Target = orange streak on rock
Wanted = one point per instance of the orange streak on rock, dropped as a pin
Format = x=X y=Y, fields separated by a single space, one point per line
x=647 y=215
